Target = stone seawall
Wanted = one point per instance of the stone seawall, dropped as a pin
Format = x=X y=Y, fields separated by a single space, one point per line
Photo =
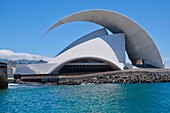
x=3 y=81
x=126 y=76
x=3 y=76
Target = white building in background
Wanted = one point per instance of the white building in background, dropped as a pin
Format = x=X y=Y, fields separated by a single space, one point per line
x=99 y=51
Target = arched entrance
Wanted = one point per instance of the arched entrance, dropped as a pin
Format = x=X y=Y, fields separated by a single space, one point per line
x=85 y=66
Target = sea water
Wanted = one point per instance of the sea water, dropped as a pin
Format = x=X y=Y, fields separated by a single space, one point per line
x=102 y=98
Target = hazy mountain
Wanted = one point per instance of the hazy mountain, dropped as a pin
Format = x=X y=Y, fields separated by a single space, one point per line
x=22 y=61
x=24 y=57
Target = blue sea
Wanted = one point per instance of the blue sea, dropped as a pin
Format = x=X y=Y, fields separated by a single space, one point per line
x=91 y=98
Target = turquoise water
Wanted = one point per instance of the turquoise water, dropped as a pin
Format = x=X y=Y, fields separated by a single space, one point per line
x=104 y=98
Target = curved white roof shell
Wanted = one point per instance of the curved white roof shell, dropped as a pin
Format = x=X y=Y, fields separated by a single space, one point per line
x=97 y=46
x=92 y=35
x=139 y=44
x=98 y=49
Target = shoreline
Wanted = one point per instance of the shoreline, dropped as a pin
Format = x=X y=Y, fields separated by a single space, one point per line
x=121 y=77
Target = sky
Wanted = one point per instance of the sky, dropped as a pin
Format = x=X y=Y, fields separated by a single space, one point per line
x=23 y=23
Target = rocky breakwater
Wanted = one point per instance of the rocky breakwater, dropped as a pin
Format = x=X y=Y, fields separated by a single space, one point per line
x=125 y=76
x=121 y=77
x=3 y=76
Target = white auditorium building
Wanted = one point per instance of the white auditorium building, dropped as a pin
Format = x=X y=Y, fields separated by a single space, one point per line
x=99 y=51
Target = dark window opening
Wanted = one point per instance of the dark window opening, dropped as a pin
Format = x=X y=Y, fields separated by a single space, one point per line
x=85 y=68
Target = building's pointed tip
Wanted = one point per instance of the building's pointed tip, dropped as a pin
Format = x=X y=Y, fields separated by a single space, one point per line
x=45 y=33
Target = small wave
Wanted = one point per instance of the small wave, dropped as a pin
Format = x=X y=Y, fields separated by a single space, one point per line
x=86 y=83
x=12 y=84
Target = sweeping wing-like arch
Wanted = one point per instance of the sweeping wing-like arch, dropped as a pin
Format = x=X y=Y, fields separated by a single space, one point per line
x=139 y=44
